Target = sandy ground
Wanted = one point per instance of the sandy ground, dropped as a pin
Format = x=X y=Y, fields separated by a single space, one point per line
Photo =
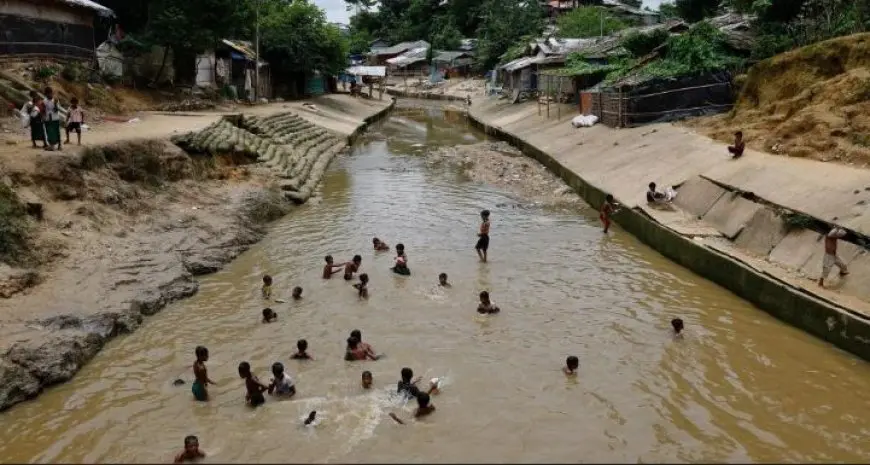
x=499 y=164
x=112 y=249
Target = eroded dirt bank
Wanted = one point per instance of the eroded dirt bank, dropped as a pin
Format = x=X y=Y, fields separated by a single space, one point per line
x=125 y=227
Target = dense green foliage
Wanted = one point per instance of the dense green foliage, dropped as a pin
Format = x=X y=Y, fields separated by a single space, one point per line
x=639 y=44
x=295 y=36
x=497 y=24
x=588 y=21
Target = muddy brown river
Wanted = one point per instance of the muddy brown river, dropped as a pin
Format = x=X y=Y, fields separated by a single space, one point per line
x=741 y=386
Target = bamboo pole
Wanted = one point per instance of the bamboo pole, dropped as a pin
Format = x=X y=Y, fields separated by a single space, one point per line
x=559 y=101
x=548 y=97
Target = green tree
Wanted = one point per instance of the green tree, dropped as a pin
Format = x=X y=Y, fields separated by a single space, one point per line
x=696 y=10
x=640 y=44
x=589 y=21
x=669 y=10
x=503 y=25
x=446 y=35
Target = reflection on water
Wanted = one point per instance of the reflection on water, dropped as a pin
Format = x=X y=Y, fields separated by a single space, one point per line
x=741 y=387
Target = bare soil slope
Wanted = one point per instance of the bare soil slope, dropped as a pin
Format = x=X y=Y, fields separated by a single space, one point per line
x=812 y=102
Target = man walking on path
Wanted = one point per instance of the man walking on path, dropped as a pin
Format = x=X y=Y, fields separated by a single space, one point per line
x=831 y=257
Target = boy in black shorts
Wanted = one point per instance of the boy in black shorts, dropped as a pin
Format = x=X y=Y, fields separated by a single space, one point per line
x=483 y=236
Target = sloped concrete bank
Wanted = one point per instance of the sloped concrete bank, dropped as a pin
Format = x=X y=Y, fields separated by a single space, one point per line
x=688 y=242
x=424 y=95
x=121 y=276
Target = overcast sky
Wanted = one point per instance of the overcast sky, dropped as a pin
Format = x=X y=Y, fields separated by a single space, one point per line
x=336 y=12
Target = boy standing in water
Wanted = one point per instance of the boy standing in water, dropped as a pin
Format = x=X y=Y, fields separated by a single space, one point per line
x=352 y=267
x=282 y=384
x=608 y=209
x=267 y=287
x=486 y=305
x=362 y=286
x=367 y=379
x=269 y=315
x=329 y=269
x=442 y=280
x=191 y=451
x=677 y=324
x=572 y=363
x=301 y=351
x=253 y=386
x=297 y=293
x=200 y=375
x=483 y=236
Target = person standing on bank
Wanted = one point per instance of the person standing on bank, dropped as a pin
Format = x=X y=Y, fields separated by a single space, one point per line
x=32 y=110
x=51 y=119
x=831 y=258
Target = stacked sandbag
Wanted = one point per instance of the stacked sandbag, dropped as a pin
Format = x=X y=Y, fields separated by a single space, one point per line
x=295 y=149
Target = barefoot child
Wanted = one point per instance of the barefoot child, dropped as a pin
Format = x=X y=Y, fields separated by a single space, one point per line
x=739 y=146
x=486 y=306
x=191 y=451
x=253 y=387
x=269 y=315
x=483 y=236
x=362 y=286
x=572 y=363
x=282 y=384
x=379 y=245
x=352 y=267
x=831 y=257
x=330 y=269
x=200 y=375
x=607 y=210
x=76 y=119
x=267 y=287
x=302 y=351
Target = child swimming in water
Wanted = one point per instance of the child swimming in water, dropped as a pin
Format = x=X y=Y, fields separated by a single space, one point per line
x=367 y=379
x=352 y=267
x=424 y=408
x=677 y=324
x=282 y=384
x=379 y=245
x=311 y=417
x=253 y=387
x=486 y=306
x=364 y=346
x=572 y=363
x=200 y=375
x=302 y=351
x=442 y=280
x=191 y=450
x=269 y=315
x=362 y=286
x=330 y=269
x=297 y=293
x=401 y=265
x=267 y=287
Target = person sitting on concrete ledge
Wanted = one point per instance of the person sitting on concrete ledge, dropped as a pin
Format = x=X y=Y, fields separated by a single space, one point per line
x=736 y=150
x=654 y=197
x=831 y=257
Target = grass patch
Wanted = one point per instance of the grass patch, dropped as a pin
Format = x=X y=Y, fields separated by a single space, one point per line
x=794 y=221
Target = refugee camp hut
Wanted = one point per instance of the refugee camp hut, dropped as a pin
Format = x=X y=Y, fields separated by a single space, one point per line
x=380 y=56
x=232 y=63
x=451 y=64
x=412 y=63
x=61 y=29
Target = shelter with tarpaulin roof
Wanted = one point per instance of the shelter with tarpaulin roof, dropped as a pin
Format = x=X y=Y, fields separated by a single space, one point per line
x=232 y=64
x=62 y=29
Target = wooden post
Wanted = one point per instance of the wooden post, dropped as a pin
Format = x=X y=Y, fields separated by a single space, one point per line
x=548 y=97
x=559 y=101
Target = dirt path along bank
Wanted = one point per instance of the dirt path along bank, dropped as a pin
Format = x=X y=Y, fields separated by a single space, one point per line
x=127 y=224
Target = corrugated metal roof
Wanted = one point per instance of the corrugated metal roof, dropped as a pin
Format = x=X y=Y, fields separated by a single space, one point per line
x=518 y=64
x=243 y=47
x=377 y=71
x=448 y=57
x=100 y=9
x=402 y=47
x=410 y=57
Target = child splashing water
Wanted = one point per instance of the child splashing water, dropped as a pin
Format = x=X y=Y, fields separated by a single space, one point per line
x=253 y=387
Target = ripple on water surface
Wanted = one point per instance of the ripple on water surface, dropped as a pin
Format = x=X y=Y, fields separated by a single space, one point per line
x=740 y=387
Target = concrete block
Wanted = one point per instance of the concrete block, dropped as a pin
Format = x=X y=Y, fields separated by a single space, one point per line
x=845 y=250
x=857 y=282
x=796 y=248
x=762 y=232
x=730 y=214
x=697 y=196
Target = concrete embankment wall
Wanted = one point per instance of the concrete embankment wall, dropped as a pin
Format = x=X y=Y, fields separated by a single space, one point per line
x=424 y=95
x=67 y=327
x=598 y=161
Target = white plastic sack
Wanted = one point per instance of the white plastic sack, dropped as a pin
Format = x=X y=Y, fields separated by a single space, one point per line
x=584 y=121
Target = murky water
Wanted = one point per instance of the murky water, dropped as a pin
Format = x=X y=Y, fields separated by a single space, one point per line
x=741 y=387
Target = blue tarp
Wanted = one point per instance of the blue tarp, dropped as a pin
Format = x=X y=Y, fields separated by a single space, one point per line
x=237 y=56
